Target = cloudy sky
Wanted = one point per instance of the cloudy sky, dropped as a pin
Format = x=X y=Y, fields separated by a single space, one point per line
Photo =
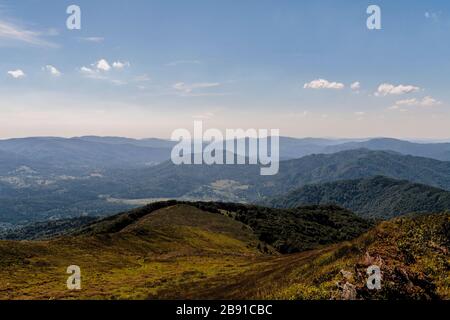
x=145 y=68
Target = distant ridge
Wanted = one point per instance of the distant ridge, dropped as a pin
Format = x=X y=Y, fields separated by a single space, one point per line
x=378 y=197
x=81 y=154
x=439 y=151
x=98 y=149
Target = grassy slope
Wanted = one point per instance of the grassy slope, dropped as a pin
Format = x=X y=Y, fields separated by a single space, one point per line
x=161 y=251
x=413 y=254
x=287 y=230
x=183 y=252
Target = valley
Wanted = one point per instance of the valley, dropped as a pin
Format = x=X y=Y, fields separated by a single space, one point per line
x=43 y=189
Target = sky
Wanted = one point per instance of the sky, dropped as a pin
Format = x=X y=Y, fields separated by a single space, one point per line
x=145 y=68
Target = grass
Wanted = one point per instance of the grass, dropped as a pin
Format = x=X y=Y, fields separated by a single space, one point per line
x=174 y=246
x=413 y=254
x=182 y=252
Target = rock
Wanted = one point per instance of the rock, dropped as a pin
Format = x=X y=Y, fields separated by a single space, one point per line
x=348 y=291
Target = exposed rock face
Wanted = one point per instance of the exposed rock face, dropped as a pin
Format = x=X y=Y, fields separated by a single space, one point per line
x=347 y=291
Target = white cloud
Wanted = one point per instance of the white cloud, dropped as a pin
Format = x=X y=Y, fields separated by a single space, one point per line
x=103 y=65
x=92 y=73
x=432 y=15
x=15 y=33
x=188 y=88
x=120 y=65
x=429 y=102
x=87 y=71
x=390 y=89
x=52 y=70
x=323 y=84
x=424 y=102
x=355 y=86
x=92 y=39
x=359 y=113
x=16 y=74
x=99 y=71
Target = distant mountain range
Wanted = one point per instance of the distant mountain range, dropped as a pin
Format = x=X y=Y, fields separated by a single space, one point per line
x=292 y=148
x=244 y=182
x=377 y=197
x=439 y=151
x=26 y=196
x=57 y=154
x=92 y=152
x=54 y=178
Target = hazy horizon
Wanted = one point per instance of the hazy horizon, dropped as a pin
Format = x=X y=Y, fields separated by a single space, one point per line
x=416 y=140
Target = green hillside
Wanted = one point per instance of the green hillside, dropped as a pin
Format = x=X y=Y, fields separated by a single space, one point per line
x=361 y=163
x=287 y=230
x=153 y=250
x=377 y=197
x=412 y=253
x=186 y=251
x=173 y=246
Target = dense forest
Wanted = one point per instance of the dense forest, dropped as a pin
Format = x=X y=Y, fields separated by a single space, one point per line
x=378 y=197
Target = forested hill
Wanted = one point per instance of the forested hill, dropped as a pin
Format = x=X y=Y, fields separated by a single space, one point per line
x=378 y=197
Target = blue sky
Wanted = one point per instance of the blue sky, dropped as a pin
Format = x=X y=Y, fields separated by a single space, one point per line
x=144 y=68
